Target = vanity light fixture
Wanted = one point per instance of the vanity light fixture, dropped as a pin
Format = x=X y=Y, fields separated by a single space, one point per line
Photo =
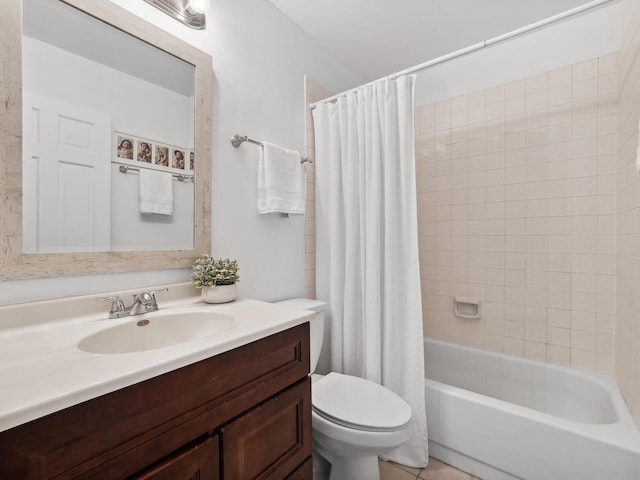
x=188 y=12
x=199 y=6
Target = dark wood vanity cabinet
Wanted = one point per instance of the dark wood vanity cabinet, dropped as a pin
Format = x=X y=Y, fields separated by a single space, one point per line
x=303 y=472
x=248 y=456
x=200 y=462
x=241 y=415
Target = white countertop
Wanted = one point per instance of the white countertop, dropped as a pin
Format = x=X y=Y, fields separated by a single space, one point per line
x=42 y=370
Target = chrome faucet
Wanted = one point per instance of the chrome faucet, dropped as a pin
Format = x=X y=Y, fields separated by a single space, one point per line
x=144 y=302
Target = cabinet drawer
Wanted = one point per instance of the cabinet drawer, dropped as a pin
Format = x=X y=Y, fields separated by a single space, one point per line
x=286 y=421
x=197 y=462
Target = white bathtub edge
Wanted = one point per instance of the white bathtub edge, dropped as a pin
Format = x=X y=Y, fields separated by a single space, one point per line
x=462 y=422
x=619 y=434
x=467 y=464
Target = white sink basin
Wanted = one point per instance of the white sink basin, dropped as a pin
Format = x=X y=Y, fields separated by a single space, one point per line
x=156 y=330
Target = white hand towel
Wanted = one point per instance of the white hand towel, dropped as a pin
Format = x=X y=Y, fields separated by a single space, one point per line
x=155 y=190
x=281 y=185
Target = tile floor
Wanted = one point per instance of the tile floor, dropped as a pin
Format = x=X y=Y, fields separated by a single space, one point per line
x=436 y=470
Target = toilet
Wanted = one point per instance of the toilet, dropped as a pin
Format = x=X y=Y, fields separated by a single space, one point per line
x=354 y=420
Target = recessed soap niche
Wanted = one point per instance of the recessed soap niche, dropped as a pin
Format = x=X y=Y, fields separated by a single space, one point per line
x=465 y=307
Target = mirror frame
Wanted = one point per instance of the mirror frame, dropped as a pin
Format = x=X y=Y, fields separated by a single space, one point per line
x=14 y=264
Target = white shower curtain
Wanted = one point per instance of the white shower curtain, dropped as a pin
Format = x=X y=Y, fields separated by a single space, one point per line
x=367 y=266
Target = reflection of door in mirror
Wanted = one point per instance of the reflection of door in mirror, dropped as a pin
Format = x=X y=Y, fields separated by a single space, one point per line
x=95 y=84
x=66 y=155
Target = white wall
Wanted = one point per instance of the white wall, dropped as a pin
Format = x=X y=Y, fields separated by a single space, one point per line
x=259 y=60
x=593 y=34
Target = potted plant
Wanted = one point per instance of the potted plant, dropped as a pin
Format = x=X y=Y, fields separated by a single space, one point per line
x=216 y=277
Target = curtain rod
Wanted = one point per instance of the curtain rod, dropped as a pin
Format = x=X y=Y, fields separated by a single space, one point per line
x=481 y=45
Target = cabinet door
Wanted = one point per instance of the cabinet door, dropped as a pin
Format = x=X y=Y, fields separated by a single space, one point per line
x=270 y=441
x=303 y=472
x=200 y=462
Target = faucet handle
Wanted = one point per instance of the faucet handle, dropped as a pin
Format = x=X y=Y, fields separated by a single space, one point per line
x=118 y=309
x=153 y=293
x=162 y=290
x=148 y=299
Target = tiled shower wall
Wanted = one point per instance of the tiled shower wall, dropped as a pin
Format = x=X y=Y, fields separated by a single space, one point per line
x=313 y=93
x=517 y=204
x=627 y=344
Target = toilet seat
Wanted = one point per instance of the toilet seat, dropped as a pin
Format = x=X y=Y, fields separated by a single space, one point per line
x=360 y=404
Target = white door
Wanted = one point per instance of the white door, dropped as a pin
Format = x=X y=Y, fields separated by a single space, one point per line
x=66 y=176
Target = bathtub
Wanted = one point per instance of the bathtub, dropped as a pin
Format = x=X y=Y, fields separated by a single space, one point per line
x=501 y=417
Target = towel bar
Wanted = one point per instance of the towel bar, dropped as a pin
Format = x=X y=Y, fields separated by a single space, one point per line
x=180 y=177
x=237 y=140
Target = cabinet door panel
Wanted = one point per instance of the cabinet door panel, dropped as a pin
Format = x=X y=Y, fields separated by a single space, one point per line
x=303 y=472
x=285 y=421
x=196 y=463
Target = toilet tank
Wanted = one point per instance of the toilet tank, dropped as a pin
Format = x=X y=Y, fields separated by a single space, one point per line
x=316 y=324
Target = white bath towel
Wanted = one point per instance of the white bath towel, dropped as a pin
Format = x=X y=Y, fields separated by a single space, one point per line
x=155 y=190
x=280 y=181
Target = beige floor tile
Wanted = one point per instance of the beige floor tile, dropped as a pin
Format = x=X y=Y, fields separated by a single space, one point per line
x=437 y=470
x=391 y=471
x=414 y=471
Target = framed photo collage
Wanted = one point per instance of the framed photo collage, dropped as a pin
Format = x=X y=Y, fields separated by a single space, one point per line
x=131 y=149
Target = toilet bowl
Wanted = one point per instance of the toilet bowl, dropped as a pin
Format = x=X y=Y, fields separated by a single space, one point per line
x=354 y=420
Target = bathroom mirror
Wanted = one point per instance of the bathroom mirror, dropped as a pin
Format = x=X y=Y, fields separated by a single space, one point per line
x=174 y=123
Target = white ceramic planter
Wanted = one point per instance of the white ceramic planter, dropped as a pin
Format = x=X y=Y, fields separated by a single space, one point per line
x=219 y=293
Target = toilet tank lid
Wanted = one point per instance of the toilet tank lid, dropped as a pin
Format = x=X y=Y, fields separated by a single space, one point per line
x=304 y=304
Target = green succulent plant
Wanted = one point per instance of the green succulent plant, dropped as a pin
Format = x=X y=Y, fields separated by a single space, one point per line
x=208 y=271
